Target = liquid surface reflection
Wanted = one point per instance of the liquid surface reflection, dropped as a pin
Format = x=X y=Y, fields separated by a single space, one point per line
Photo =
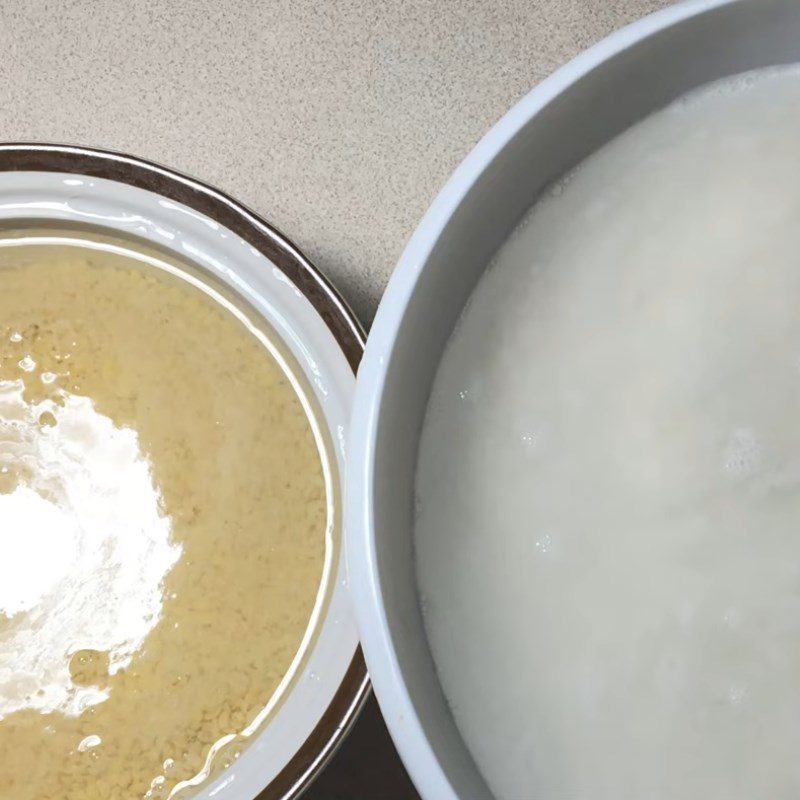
x=85 y=549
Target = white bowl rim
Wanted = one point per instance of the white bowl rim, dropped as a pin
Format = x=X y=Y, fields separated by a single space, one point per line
x=391 y=689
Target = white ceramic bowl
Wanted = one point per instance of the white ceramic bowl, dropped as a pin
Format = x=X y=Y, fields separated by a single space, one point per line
x=583 y=105
x=124 y=195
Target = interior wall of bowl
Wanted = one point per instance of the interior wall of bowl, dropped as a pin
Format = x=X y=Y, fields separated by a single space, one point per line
x=647 y=74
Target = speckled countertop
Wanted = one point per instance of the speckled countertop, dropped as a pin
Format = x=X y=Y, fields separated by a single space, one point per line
x=337 y=120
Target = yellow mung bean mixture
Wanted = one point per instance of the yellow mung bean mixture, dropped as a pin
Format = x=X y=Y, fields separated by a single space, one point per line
x=164 y=523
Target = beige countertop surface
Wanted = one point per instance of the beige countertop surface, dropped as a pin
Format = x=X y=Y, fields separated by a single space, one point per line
x=336 y=120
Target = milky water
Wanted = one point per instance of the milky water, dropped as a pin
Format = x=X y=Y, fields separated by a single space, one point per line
x=608 y=540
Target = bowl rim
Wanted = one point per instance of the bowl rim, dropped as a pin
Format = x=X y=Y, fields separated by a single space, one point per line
x=354 y=690
x=390 y=684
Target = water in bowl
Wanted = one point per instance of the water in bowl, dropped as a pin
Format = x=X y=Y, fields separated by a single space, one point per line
x=165 y=520
x=607 y=545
